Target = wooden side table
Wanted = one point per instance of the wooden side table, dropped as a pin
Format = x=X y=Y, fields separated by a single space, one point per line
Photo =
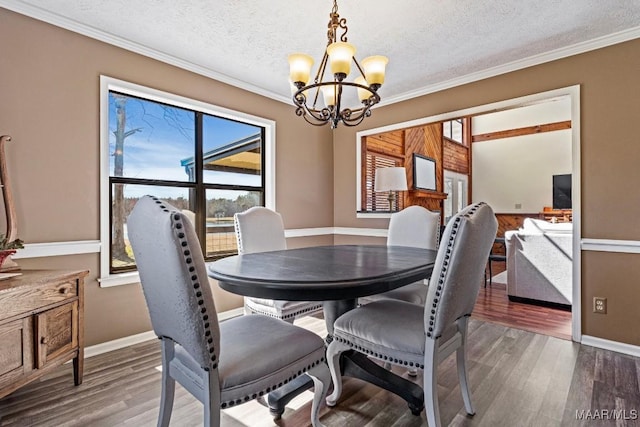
x=41 y=325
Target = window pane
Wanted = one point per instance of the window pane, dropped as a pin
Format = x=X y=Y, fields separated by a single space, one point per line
x=221 y=205
x=232 y=152
x=446 y=129
x=124 y=198
x=462 y=195
x=448 y=202
x=456 y=130
x=148 y=139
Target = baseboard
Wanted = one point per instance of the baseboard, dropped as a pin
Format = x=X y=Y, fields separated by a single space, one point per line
x=565 y=307
x=619 y=347
x=119 y=343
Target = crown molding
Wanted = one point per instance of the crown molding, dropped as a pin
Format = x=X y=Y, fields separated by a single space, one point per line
x=85 y=30
x=77 y=27
x=576 y=49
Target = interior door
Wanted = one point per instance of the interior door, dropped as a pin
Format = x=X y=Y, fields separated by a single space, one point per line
x=456 y=185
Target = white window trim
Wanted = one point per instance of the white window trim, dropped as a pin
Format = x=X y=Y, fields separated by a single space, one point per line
x=107 y=84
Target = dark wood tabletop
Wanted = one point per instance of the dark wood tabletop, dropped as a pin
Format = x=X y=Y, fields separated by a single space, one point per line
x=323 y=272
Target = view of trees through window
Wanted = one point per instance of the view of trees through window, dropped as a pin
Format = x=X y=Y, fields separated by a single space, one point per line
x=207 y=166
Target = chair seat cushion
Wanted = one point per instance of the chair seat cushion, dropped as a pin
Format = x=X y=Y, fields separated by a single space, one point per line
x=387 y=329
x=415 y=293
x=281 y=309
x=259 y=354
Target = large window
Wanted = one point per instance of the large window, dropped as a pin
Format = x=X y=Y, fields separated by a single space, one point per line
x=454 y=130
x=207 y=161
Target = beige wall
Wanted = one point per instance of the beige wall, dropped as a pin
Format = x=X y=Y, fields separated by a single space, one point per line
x=610 y=151
x=49 y=104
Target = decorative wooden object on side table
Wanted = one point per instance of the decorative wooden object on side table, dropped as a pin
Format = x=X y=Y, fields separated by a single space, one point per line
x=41 y=325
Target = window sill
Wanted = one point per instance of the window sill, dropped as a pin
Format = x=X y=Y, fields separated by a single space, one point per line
x=386 y=214
x=119 y=279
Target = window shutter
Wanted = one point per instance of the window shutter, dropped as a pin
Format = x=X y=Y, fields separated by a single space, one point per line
x=376 y=202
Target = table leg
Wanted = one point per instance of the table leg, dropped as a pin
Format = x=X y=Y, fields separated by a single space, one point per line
x=278 y=399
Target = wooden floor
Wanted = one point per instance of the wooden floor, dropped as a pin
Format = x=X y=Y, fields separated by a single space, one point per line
x=493 y=305
x=518 y=378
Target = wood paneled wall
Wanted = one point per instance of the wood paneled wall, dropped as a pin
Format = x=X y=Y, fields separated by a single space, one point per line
x=390 y=143
x=425 y=140
x=511 y=221
x=455 y=157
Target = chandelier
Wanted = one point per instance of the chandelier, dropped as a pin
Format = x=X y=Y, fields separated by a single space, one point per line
x=339 y=55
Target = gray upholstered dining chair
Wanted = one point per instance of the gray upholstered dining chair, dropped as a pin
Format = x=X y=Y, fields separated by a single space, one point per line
x=259 y=229
x=221 y=364
x=412 y=335
x=417 y=227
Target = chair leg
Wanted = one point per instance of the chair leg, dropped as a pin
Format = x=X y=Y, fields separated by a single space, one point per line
x=334 y=350
x=461 y=358
x=211 y=399
x=485 y=275
x=321 y=377
x=490 y=274
x=431 y=383
x=168 y=384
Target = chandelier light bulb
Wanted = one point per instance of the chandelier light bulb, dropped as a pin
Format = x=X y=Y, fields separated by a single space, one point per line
x=329 y=95
x=340 y=57
x=363 y=94
x=300 y=68
x=374 y=69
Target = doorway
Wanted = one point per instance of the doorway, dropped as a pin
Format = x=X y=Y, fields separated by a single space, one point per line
x=573 y=93
x=456 y=185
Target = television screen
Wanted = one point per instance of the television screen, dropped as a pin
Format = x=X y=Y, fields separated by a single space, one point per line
x=562 y=191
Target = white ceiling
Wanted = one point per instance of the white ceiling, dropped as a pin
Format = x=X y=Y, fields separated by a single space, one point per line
x=431 y=44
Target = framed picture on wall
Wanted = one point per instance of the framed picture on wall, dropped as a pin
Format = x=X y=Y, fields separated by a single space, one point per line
x=424 y=172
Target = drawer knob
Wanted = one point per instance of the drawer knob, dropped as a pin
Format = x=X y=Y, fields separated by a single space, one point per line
x=65 y=290
x=44 y=340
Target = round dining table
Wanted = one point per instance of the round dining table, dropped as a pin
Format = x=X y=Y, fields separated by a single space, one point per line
x=337 y=275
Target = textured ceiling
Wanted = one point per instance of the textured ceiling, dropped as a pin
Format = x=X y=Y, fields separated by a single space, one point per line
x=428 y=42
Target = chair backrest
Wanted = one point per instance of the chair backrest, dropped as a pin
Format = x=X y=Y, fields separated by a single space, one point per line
x=459 y=267
x=174 y=278
x=414 y=226
x=259 y=229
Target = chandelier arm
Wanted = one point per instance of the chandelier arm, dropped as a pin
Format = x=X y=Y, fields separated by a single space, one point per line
x=356 y=120
x=355 y=61
x=317 y=123
x=319 y=75
x=321 y=116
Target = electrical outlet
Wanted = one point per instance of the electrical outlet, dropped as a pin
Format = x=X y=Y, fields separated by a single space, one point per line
x=600 y=305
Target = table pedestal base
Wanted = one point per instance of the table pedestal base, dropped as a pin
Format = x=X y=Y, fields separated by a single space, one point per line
x=355 y=365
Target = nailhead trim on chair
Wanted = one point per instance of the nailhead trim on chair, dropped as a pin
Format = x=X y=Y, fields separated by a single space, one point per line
x=231 y=403
x=432 y=317
x=285 y=316
x=237 y=228
x=380 y=356
x=445 y=265
x=176 y=221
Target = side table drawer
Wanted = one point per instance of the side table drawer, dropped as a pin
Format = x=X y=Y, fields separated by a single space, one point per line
x=26 y=299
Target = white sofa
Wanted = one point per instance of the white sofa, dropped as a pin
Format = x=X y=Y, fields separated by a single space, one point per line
x=539 y=262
